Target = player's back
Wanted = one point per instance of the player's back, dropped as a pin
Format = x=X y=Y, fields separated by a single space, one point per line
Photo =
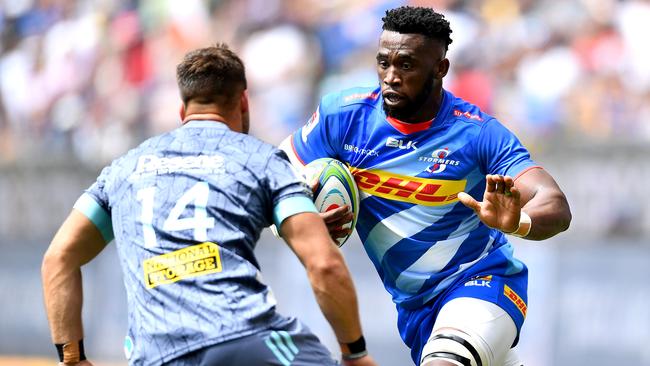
x=187 y=208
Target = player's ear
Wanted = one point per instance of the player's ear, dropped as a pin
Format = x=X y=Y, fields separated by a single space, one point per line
x=243 y=102
x=443 y=68
x=182 y=111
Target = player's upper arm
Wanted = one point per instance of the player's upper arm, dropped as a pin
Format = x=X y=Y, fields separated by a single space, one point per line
x=84 y=233
x=540 y=184
x=308 y=237
x=500 y=151
x=77 y=241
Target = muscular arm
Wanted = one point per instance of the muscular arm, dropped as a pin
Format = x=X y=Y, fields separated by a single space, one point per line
x=77 y=242
x=534 y=193
x=545 y=203
x=330 y=279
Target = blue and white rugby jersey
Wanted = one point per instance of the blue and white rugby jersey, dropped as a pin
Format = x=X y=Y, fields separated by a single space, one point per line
x=420 y=238
x=187 y=208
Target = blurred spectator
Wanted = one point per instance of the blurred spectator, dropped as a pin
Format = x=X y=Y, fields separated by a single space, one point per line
x=91 y=78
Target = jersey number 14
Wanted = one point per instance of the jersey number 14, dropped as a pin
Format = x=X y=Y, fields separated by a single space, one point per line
x=200 y=223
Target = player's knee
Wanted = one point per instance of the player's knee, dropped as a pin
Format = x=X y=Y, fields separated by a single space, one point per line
x=447 y=347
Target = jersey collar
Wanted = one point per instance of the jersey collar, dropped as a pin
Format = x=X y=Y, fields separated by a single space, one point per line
x=204 y=123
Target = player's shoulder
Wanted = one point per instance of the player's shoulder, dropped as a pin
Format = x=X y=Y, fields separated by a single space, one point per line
x=153 y=143
x=247 y=148
x=351 y=98
x=128 y=161
x=252 y=144
x=360 y=96
x=466 y=112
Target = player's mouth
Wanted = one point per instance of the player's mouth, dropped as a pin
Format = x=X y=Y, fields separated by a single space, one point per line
x=392 y=98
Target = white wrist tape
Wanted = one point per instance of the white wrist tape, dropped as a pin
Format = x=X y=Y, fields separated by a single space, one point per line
x=525 y=224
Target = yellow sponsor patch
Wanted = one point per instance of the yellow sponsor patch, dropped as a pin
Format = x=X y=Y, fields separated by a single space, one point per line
x=521 y=305
x=197 y=260
x=421 y=191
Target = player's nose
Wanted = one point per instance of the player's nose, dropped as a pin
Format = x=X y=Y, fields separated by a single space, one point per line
x=391 y=77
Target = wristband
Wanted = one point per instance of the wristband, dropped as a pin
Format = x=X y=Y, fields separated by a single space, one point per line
x=354 y=356
x=354 y=350
x=525 y=224
x=71 y=352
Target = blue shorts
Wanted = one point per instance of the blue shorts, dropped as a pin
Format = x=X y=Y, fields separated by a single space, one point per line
x=508 y=292
x=293 y=344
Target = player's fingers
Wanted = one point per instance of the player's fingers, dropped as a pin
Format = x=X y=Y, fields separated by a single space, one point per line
x=500 y=184
x=469 y=201
x=314 y=185
x=515 y=193
x=508 y=181
x=347 y=218
x=335 y=214
x=490 y=183
x=340 y=233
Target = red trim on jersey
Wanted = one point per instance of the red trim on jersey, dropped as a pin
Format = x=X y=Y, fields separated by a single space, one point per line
x=293 y=147
x=526 y=171
x=407 y=128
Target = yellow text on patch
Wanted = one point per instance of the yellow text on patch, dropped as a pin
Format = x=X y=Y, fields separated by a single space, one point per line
x=197 y=260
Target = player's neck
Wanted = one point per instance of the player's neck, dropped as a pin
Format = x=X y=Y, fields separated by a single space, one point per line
x=204 y=117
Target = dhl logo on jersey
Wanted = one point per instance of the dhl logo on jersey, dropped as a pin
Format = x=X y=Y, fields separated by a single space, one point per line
x=197 y=260
x=421 y=191
x=519 y=303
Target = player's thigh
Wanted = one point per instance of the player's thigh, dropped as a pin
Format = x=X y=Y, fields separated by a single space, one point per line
x=470 y=331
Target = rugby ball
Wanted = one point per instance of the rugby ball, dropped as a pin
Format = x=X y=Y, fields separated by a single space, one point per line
x=335 y=187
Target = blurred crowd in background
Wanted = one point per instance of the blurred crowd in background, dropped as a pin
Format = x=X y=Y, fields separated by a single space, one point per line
x=93 y=78
x=85 y=80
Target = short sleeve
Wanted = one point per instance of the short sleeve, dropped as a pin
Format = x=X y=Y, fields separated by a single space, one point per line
x=319 y=137
x=94 y=204
x=289 y=192
x=501 y=152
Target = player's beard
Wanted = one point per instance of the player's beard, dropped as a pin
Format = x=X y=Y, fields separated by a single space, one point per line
x=404 y=113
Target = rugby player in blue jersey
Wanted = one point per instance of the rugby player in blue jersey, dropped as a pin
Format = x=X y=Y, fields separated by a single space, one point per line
x=442 y=185
x=186 y=209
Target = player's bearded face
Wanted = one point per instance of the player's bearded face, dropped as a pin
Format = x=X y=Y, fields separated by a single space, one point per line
x=411 y=105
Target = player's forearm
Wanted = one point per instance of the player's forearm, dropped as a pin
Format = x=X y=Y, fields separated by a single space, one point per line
x=337 y=299
x=550 y=215
x=307 y=235
x=63 y=297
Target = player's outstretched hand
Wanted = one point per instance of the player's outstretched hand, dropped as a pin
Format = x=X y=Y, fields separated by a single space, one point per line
x=363 y=361
x=80 y=363
x=501 y=205
x=335 y=219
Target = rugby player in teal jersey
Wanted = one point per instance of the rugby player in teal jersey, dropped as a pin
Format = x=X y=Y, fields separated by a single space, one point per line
x=441 y=183
x=186 y=209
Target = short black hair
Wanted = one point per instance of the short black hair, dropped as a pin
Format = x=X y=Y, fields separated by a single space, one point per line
x=211 y=74
x=418 y=20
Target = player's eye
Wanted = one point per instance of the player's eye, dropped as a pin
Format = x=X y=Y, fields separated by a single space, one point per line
x=407 y=66
x=382 y=63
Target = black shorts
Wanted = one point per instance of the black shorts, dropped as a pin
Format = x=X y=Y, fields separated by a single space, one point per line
x=293 y=345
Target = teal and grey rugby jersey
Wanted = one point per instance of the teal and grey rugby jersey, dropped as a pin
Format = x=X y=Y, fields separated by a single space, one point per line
x=420 y=238
x=186 y=209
